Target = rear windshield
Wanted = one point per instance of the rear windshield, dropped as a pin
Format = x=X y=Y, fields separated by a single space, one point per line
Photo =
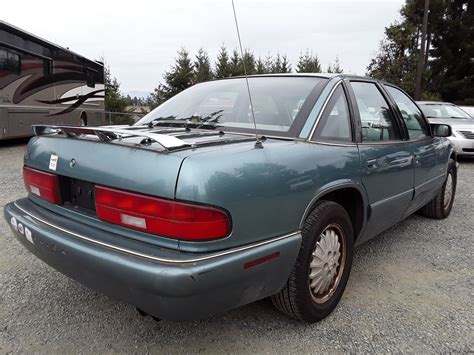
x=277 y=101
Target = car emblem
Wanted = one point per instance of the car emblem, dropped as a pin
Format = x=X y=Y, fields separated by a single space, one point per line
x=72 y=162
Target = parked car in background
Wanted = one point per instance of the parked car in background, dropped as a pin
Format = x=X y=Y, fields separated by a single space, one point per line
x=461 y=123
x=185 y=214
x=468 y=109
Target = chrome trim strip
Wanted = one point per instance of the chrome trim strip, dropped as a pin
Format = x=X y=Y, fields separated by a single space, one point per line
x=390 y=198
x=433 y=179
x=318 y=118
x=353 y=145
x=155 y=258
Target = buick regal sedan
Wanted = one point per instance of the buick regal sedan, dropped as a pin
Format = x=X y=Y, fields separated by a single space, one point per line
x=187 y=214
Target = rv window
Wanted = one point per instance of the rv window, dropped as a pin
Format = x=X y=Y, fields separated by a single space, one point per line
x=47 y=67
x=90 y=76
x=10 y=62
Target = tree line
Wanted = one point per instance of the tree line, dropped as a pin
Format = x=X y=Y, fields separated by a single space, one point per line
x=444 y=50
x=188 y=70
x=447 y=64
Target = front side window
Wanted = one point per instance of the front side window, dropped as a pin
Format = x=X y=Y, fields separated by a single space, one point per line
x=335 y=124
x=378 y=123
x=410 y=113
x=277 y=101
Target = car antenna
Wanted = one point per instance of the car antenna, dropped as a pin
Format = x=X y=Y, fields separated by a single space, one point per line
x=258 y=142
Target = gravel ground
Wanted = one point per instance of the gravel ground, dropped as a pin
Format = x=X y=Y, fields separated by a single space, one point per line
x=411 y=289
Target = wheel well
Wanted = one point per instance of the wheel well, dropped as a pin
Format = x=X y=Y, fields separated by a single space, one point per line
x=83 y=116
x=352 y=201
x=453 y=156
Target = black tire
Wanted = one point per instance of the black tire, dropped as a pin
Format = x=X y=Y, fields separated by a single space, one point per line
x=437 y=208
x=297 y=299
x=83 y=120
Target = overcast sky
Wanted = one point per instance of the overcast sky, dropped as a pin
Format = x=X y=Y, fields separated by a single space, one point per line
x=139 y=39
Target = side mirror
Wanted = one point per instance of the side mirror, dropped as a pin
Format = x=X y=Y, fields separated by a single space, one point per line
x=441 y=130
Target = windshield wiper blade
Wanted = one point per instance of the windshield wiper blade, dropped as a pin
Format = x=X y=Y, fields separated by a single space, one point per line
x=210 y=118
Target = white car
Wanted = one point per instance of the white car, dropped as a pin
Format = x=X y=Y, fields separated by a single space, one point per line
x=468 y=109
x=461 y=123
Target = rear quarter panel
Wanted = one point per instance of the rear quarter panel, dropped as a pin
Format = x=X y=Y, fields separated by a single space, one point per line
x=267 y=191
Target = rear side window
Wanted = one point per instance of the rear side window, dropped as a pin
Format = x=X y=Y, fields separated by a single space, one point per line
x=378 y=123
x=410 y=113
x=335 y=124
x=9 y=62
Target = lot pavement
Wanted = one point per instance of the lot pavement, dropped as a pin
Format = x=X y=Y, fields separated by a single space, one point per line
x=411 y=289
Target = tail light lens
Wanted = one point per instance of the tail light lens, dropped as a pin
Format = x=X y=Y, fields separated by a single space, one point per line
x=42 y=184
x=158 y=216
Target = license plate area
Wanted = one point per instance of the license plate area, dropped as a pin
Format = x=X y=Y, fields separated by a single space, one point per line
x=78 y=193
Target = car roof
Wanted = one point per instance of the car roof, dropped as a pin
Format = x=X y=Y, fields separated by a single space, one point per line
x=316 y=75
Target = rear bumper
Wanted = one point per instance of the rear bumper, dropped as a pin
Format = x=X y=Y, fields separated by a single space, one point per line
x=165 y=283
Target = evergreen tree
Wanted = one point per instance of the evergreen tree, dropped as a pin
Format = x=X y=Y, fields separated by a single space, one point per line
x=308 y=63
x=281 y=64
x=235 y=67
x=202 y=67
x=268 y=64
x=249 y=60
x=156 y=98
x=336 y=67
x=113 y=99
x=180 y=76
x=222 y=64
x=447 y=46
x=260 y=66
x=451 y=67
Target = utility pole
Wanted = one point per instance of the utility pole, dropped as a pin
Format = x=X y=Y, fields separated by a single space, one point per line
x=421 y=53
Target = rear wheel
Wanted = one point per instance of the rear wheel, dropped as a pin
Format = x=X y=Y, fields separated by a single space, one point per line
x=440 y=207
x=319 y=277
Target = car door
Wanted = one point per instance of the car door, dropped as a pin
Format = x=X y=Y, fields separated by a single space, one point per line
x=429 y=163
x=386 y=160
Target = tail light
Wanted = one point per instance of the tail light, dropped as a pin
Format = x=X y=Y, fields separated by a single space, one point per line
x=42 y=184
x=158 y=216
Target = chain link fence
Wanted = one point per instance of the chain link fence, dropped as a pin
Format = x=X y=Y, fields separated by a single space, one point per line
x=123 y=118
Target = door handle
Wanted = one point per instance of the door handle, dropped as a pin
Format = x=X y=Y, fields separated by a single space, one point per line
x=372 y=164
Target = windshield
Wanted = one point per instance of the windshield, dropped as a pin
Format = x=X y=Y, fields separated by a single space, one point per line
x=225 y=103
x=442 y=111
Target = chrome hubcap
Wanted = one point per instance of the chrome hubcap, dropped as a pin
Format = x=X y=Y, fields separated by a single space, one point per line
x=327 y=263
x=448 y=191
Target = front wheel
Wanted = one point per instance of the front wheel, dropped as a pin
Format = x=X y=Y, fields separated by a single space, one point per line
x=320 y=275
x=440 y=207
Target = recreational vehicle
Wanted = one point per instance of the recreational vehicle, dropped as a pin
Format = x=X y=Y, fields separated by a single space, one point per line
x=43 y=83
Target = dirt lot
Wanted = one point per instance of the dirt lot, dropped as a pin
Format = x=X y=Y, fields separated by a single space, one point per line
x=411 y=289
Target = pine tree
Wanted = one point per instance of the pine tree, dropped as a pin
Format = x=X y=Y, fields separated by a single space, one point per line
x=268 y=64
x=308 y=63
x=281 y=64
x=249 y=60
x=260 y=66
x=336 y=67
x=235 y=67
x=222 y=64
x=114 y=100
x=180 y=76
x=202 y=67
